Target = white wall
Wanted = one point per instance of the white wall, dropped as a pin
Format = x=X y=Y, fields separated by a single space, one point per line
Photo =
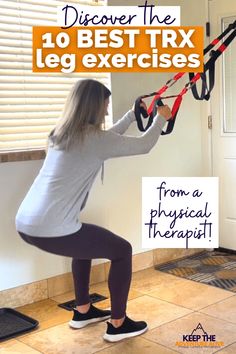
x=21 y=263
x=116 y=204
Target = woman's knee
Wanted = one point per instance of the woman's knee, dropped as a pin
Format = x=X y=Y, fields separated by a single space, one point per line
x=25 y=238
x=126 y=249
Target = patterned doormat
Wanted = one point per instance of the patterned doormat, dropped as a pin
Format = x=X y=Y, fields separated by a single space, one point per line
x=213 y=268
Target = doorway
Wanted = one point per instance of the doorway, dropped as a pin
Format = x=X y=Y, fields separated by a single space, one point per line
x=223 y=111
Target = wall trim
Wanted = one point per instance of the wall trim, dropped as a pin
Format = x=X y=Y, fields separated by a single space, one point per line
x=15 y=156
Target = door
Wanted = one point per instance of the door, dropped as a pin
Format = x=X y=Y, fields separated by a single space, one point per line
x=223 y=109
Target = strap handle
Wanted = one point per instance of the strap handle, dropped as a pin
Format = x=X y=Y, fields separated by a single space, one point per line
x=174 y=111
x=206 y=87
x=141 y=112
x=171 y=121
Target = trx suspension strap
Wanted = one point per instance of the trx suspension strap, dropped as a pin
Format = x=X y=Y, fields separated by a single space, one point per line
x=151 y=112
x=205 y=92
x=209 y=67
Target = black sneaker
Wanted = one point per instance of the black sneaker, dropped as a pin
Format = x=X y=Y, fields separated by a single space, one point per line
x=94 y=314
x=129 y=328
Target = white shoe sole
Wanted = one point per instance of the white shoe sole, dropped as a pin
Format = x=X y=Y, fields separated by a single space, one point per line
x=118 y=337
x=81 y=324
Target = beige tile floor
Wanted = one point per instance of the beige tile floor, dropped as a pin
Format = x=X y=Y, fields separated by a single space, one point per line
x=172 y=307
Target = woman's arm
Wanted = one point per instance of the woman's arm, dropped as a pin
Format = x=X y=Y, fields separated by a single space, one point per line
x=110 y=144
x=123 y=124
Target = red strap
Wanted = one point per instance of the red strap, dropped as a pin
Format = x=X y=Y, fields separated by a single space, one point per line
x=178 y=76
x=196 y=77
x=179 y=98
x=162 y=90
x=215 y=41
x=158 y=94
x=222 y=48
x=183 y=91
x=150 y=108
x=176 y=105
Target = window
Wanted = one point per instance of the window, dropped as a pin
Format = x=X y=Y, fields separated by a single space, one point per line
x=30 y=103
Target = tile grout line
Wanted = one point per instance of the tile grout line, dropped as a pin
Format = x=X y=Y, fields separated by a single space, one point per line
x=156 y=297
x=218 y=318
x=217 y=302
x=163 y=324
x=197 y=312
x=30 y=346
x=221 y=319
x=39 y=331
x=171 y=303
x=150 y=340
x=193 y=312
x=195 y=281
x=214 y=303
x=175 y=319
x=129 y=339
x=101 y=350
x=225 y=347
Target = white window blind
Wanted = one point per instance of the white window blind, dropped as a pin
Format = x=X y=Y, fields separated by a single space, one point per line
x=30 y=103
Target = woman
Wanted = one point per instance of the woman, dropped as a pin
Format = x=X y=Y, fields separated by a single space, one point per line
x=48 y=217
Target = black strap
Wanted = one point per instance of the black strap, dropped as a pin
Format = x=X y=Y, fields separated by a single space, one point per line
x=205 y=91
x=171 y=121
x=221 y=36
x=207 y=85
x=141 y=112
x=209 y=67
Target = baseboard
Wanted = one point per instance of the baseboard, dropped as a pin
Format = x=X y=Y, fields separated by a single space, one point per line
x=44 y=289
x=164 y=255
x=225 y=250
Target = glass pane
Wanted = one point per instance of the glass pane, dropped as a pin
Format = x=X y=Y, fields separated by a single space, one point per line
x=229 y=76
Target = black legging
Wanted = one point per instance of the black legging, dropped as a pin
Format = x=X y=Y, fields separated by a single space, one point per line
x=86 y=244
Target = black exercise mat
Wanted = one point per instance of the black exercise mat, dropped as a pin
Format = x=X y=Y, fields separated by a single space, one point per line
x=69 y=305
x=13 y=323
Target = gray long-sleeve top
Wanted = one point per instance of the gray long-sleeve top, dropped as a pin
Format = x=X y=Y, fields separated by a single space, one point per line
x=52 y=205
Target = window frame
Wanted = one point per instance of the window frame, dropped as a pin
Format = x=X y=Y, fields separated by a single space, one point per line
x=29 y=154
